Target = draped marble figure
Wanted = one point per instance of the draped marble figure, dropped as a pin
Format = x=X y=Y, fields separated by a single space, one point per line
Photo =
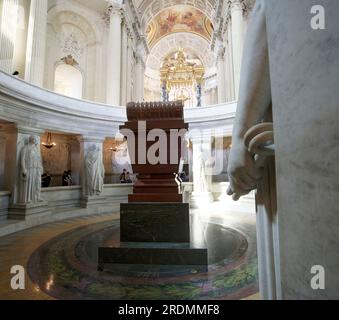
x=30 y=172
x=94 y=170
x=291 y=65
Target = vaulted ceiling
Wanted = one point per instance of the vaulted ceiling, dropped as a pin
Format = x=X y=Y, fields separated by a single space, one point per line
x=178 y=19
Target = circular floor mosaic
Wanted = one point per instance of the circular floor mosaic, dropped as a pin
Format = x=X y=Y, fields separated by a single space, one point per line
x=65 y=267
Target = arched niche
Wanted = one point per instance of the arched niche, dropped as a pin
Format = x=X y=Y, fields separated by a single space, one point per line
x=68 y=81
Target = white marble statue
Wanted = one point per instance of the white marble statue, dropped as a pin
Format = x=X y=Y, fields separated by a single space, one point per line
x=30 y=172
x=201 y=185
x=254 y=101
x=94 y=170
x=291 y=62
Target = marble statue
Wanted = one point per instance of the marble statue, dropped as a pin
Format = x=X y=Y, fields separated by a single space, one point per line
x=202 y=181
x=291 y=63
x=254 y=101
x=94 y=170
x=30 y=172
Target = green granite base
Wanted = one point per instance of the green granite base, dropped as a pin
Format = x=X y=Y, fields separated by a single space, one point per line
x=154 y=222
x=152 y=254
x=153 y=234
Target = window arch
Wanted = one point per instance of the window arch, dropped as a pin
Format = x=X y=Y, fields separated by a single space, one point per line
x=68 y=80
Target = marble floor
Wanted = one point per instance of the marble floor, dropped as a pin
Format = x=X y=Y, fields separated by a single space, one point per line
x=60 y=260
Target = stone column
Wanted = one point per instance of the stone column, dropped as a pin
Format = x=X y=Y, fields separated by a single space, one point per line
x=237 y=41
x=8 y=28
x=129 y=91
x=114 y=55
x=36 y=42
x=228 y=62
x=124 y=63
x=139 y=72
x=201 y=195
x=19 y=56
x=92 y=170
x=221 y=74
x=99 y=88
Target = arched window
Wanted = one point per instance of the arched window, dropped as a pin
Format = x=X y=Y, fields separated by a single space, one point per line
x=68 y=81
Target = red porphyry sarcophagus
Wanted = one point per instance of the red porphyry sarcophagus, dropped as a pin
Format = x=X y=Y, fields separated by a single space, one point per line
x=155 y=182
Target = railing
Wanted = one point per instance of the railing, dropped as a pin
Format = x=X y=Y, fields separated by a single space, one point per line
x=28 y=105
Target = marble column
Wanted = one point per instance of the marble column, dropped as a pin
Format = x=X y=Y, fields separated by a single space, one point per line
x=114 y=56
x=228 y=61
x=140 y=72
x=99 y=87
x=92 y=170
x=129 y=92
x=124 y=63
x=36 y=42
x=8 y=28
x=202 y=178
x=19 y=58
x=221 y=74
x=237 y=41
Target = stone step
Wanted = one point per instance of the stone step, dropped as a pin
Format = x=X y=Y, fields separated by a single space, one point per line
x=152 y=254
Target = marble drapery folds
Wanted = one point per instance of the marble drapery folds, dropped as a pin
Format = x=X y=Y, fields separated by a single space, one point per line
x=30 y=172
x=94 y=171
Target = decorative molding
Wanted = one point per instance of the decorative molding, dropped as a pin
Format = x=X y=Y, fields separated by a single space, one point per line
x=72 y=47
x=112 y=9
x=70 y=60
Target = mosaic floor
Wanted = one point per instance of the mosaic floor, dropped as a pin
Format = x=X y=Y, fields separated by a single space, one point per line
x=61 y=262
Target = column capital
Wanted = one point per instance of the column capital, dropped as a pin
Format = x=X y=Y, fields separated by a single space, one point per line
x=115 y=8
x=236 y=4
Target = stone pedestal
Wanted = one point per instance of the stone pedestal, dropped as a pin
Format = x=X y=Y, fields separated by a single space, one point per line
x=27 y=211
x=155 y=234
x=92 y=201
x=154 y=222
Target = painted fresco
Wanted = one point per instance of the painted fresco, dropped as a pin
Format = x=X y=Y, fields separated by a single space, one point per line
x=179 y=19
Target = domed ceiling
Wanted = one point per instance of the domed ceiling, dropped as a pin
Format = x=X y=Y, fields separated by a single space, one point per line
x=178 y=19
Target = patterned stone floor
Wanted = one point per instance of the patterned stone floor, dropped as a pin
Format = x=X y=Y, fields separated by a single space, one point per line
x=60 y=262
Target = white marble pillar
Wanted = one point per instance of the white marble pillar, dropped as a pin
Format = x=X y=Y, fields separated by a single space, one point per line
x=114 y=56
x=36 y=42
x=139 y=77
x=99 y=85
x=237 y=41
x=129 y=79
x=228 y=62
x=8 y=28
x=221 y=74
x=202 y=148
x=124 y=59
x=229 y=52
x=19 y=58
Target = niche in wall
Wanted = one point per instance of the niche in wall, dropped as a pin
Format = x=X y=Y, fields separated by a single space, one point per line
x=68 y=81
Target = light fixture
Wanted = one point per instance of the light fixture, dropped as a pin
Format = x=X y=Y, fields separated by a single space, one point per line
x=49 y=144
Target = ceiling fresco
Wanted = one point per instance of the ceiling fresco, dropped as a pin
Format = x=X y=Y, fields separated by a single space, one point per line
x=180 y=18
